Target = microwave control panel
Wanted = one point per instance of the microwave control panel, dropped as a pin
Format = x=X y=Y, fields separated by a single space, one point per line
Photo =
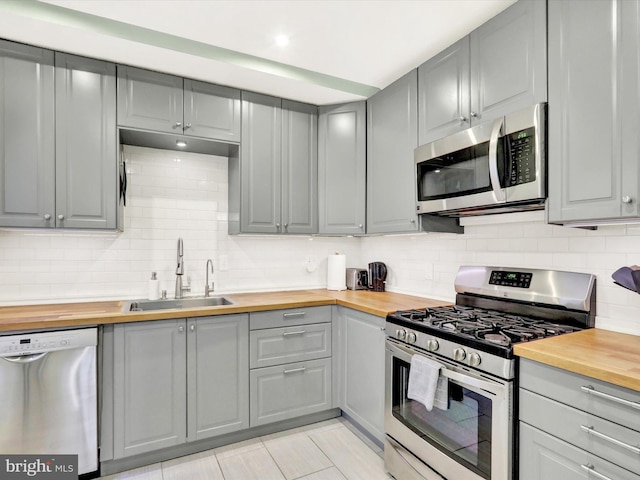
x=521 y=163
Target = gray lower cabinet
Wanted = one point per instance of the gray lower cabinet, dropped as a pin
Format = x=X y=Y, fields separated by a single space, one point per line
x=273 y=185
x=27 y=136
x=178 y=380
x=342 y=166
x=392 y=135
x=291 y=363
x=593 y=145
x=361 y=386
x=86 y=143
x=499 y=68
x=572 y=426
x=159 y=102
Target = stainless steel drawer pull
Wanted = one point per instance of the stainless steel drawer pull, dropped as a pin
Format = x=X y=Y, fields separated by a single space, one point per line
x=591 y=470
x=592 y=391
x=298 y=332
x=609 y=439
x=294 y=370
x=294 y=314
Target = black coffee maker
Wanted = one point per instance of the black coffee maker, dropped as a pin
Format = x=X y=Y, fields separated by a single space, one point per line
x=377 y=276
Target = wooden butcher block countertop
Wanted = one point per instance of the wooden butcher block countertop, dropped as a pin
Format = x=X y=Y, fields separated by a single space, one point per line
x=28 y=317
x=608 y=356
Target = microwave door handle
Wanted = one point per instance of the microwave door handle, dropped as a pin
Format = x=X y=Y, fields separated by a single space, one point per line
x=498 y=192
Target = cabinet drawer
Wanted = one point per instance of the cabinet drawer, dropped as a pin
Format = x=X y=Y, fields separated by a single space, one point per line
x=288 y=391
x=288 y=317
x=581 y=429
x=544 y=457
x=275 y=346
x=619 y=405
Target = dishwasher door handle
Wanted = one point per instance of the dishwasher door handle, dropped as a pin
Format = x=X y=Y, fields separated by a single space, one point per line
x=25 y=358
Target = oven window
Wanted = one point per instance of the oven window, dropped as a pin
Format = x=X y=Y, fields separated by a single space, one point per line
x=463 y=431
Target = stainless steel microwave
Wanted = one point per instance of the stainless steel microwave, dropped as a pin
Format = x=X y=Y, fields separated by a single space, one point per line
x=494 y=167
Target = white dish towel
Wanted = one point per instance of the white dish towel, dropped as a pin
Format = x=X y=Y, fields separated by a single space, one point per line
x=426 y=385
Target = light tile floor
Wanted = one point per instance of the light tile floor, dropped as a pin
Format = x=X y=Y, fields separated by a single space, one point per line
x=330 y=450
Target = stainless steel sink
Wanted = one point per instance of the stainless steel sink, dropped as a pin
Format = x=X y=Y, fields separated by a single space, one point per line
x=148 y=305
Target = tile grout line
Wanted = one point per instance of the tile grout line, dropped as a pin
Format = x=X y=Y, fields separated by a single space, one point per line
x=326 y=455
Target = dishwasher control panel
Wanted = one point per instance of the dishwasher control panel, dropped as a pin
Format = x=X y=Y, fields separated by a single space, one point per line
x=41 y=342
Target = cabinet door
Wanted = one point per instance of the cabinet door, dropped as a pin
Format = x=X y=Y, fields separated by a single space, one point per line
x=218 y=375
x=149 y=100
x=392 y=135
x=260 y=164
x=544 y=457
x=150 y=379
x=299 y=167
x=211 y=111
x=443 y=93
x=27 y=136
x=508 y=61
x=585 y=113
x=342 y=165
x=362 y=383
x=86 y=143
x=289 y=391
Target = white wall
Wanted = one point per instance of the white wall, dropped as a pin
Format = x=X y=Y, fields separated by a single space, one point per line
x=427 y=263
x=170 y=195
x=184 y=195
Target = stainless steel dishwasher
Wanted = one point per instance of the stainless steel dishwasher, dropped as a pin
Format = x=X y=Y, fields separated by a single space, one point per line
x=48 y=399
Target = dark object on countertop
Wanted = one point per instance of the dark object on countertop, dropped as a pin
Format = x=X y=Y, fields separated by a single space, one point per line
x=377 y=276
x=628 y=277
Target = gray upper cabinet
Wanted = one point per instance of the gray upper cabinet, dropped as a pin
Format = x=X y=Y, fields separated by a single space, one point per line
x=499 y=68
x=27 y=136
x=392 y=135
x=593 y=115
x=342 y=165
x=273 y=184
x=86 y=143
x=164 y=103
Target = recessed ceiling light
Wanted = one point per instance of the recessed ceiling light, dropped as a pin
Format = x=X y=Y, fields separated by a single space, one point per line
x=282 y=40
x=181 y=143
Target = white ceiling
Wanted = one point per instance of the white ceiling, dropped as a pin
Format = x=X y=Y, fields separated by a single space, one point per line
x=371 y=43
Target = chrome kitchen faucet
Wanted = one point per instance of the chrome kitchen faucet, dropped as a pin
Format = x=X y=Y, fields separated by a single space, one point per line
x=180 y=289
x=208 y=289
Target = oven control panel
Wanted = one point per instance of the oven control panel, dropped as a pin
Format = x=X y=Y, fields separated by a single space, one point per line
x=511 y=279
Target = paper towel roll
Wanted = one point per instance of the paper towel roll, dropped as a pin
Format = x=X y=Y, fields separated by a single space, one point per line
x=336 y=272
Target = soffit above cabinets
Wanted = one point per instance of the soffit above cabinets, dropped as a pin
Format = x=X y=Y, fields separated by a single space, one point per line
x=339 y=51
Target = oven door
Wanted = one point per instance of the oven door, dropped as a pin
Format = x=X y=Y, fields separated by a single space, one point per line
x=472 y=439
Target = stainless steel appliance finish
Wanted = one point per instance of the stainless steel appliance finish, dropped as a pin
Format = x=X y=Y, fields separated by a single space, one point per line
x=473 y=340
x=494 y=167
x=357 y=279
x=48 y=398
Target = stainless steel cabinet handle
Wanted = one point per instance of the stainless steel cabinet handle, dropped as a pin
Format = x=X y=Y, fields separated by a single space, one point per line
x=294 y=370
x=590 y=469
x=188 y=125
x=177 y=125
x=25 y=358
x=609 y=439
x=413 y=220
x=592 y=391
x=627 y=199
x=47 y=216
x=278 y=226
x=286 y=225
x=361 y=226
x=181 y=329
x=294 y=314
x=192 y=328
x=473 y=115
x=298 y=332
x=60 y=217
x=462 y=119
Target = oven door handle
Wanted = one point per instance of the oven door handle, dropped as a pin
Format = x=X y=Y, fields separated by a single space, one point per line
x=405 y=354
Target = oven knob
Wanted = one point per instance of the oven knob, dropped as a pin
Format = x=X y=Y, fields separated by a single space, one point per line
x=474 y=359
x=432 y=345
x=401 y=334
x=411 y=337
x=459 y=354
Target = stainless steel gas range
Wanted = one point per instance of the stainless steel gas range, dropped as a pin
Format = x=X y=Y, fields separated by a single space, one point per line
x=471 y=436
